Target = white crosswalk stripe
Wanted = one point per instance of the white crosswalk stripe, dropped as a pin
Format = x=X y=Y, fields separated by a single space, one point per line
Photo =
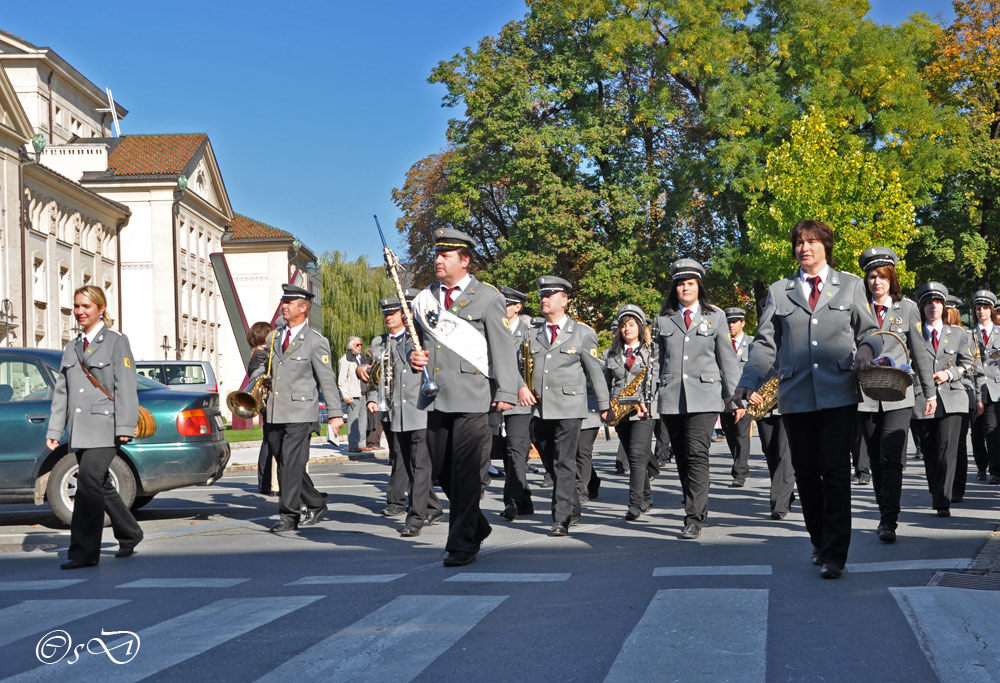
x=394 y=643
x=345 y=578
x=176 y=640
x=34 y=617
x=40 y=585
x=183 y=583
x=507 y=577
x=957 y=629
x=723 y=637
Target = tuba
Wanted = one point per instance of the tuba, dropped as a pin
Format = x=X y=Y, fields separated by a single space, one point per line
x=248 y=404
x=769 y=390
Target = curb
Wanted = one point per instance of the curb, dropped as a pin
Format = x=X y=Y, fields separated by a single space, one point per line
x=319 y=459
x=987 y=560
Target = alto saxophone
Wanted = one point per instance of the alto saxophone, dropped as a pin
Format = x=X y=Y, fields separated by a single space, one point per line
x=528 y=366
x=769 y=391
x=627 y=399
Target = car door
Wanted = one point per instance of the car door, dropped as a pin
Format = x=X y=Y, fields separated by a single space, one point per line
x=25 y=400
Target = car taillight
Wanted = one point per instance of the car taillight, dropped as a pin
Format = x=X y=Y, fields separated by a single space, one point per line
x=193 y=423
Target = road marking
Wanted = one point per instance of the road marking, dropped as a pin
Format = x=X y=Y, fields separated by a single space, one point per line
x=904 y=565
x=394 y=643
x=735 y=570
x=176 y=640
x=182 y=583
x=40 y=585
x=37 y=616
x=699 y=634
x=957 y=629
x=507 y=577
x=346 y=578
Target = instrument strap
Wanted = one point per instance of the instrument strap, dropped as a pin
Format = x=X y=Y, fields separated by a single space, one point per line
x=93 y=380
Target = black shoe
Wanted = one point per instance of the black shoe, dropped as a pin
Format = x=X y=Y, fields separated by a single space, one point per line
x=559 y=530
x=434 y=519
x=459 y=559
x=886 y=535
x=691 y=531
x=814 y=557
x=393 y=510
x=76 y=564
x=956 y=499
x=646 y=507
x=283 y=526
x=312 y=516
x=981 y=476
x=592 y=491
x=831 y=571
x=620 y=468
x=945 y=512
x=584 y=500
x=778 y=515
x=994 y=480
x=509 y=512
x=409 y=531
x=547 y=482
x=128 y=549
x=632 y=514
x=737 y=483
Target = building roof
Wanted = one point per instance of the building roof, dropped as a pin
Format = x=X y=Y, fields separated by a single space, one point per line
x=166 y=154
x=246 y=228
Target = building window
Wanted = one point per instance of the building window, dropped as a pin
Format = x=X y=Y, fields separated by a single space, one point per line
x=65 y=288
x=38 y=280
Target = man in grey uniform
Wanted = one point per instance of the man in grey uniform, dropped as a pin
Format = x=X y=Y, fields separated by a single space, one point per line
x=300 y=367
x=468 y=353
x=396 y=395
x=817 y=327
x=565 y=353
x=738 y=432
x=517 y=420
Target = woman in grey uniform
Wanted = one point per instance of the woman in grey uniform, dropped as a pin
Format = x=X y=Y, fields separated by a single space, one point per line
x=698 y=373
x=98 y=426
x=987 y=338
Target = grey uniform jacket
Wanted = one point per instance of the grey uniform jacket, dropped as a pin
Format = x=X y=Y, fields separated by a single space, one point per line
x=903 y=318
x=698 y=370
x=94 y=421
x=952 y=354
x=297 y=375
x=462 y=388
x=975 y=381
x=562 y=370
x=620 y=376
x=814 y=349
x=403 y=414
x=519 y=334
x=991 y=385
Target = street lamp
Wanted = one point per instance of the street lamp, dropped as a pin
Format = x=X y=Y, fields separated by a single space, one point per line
x=8 y=317
x=38 y=143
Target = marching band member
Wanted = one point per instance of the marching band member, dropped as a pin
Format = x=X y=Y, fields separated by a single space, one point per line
x=738 y=433
x=884 y=424
x=627 y=359
x=987 y=337
x=811 y=324
x=517 y=420
x=952 y=361
x=565 y=356
x=774 y=442
x=468 y=353
x=972 y=383
x=697 y=377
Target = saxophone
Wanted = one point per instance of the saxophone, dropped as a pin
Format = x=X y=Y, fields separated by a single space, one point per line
x=528 y=366
x=628 y=399
x=769 y=390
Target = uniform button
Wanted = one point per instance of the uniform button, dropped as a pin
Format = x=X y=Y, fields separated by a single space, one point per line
x=685 y=357
x=548 y=355
x=438 y=346
x=687 y=339
x=546 y=388
x=546 y=372
x=78 y=410
x=815 y=343
x=685 y=376
x=815 y=321
x=105 y=412
x=81 y=391
x=437 y=369
x=404 y=400
x=815 y=366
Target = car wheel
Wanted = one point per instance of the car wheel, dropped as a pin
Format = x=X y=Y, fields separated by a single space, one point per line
x=142 y=501
x=61 y=488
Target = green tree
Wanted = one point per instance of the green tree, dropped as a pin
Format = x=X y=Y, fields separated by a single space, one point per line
x=351 y=290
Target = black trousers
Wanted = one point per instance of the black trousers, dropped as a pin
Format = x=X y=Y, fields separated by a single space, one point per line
x=412 y=447
x=663 y=452
x=400 y=479
x=939 y=440
x=557 y=442
x=738 y=438
x=774 y=441
x=493 y=431
x=264 y=474
x=373 y=434
x=637 y=437
x=690 y=439
x=990 y=421
x=95 y=495
x=586 y=475
x=518 y=445
x=860 y=455
x=962 y=459
x=820 y=443
x=979 y=452
x=455 y=442
x=289 y=443
x=885 y=434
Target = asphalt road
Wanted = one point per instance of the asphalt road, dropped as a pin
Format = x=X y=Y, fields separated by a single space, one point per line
x=211 y=594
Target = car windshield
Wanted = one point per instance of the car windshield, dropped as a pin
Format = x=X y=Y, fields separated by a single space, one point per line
x=147 y=383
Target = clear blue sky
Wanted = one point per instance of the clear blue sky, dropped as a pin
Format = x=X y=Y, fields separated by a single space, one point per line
x=315 y=109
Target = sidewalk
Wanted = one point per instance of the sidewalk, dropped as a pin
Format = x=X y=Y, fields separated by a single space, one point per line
x=243 y=455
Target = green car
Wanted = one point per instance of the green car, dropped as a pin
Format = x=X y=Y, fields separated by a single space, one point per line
x=188 y=448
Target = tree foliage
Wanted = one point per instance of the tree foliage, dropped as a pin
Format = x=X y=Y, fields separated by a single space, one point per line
x=351 y=290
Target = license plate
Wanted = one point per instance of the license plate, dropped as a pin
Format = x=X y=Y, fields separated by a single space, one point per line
x=220 y=422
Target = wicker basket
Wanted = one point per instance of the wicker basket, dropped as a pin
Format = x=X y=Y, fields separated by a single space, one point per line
x=885 y=383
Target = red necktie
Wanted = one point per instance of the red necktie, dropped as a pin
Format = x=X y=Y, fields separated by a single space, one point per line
x=814 y=294
x=555 y=330
x=449 y=295
x=284 y=344
x=736 y=347
x=86 y=343
x=934 y=340
x=986 y=339
x=629 y=358
x=880 y=312
x=687 y=318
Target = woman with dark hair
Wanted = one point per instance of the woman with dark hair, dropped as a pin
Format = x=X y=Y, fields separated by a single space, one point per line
x=697 y=377
x=630 y=355
x=98 y=423
x=884 y=424
x=952 y=362
x=987 y=337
